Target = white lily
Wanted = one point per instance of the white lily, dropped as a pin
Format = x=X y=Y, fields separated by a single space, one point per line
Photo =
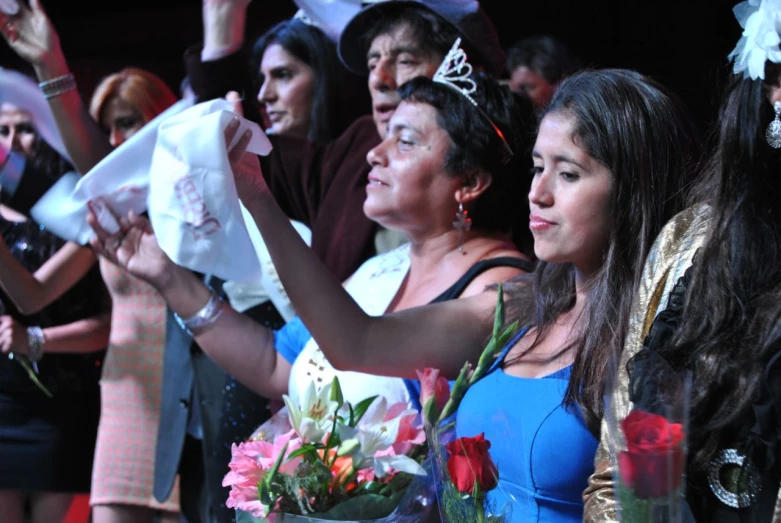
x=374 y=435
x=315 y=417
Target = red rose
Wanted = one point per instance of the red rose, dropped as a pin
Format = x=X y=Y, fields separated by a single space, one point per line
x=470 y=463
x=652 y=464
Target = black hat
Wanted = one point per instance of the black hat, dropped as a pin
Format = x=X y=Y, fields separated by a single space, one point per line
x=466 y=16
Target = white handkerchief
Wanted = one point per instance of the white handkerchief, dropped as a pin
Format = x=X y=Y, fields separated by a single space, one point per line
x=193 y=203
x=120 y=182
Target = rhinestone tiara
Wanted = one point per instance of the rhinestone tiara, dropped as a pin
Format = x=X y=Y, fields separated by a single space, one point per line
x=456 y=72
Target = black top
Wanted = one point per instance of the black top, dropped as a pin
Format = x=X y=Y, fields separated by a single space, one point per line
x=479 y=268
x=32 y=246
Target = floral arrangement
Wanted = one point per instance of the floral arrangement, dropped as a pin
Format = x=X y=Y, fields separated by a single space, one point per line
x=339 y=462
x=465 y=470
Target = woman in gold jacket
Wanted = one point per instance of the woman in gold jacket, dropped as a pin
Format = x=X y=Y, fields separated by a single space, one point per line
x=715 y=272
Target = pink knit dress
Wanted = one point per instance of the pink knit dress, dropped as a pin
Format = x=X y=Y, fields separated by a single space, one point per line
x=131 y=388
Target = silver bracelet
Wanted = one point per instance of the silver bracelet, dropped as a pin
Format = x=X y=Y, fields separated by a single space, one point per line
x=35 y=341
x=204 y=318
x=57 y=86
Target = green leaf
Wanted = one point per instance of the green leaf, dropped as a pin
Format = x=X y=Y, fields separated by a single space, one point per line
x=430 y=413
x=366 y=506
x=361 y=409
x=308 y=451
x=266 y=494
x=269 y=478
x=336 y=392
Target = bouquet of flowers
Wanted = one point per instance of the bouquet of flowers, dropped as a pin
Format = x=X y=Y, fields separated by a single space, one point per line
x=340 y=462
x=463 y=467
x=648 y=444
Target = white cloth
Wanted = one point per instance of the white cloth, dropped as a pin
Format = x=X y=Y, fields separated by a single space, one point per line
x=373 y=286
x=120 y=180
x=331 y=16
x=193 y=203
x=245 y=295
x=20 y=91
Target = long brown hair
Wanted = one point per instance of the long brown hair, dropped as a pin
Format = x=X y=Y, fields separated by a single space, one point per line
x=731 y=319
x=642 y=133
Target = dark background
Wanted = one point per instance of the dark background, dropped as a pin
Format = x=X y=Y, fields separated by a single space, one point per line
x=682 y=43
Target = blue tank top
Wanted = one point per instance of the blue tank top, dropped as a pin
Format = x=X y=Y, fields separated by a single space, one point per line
x=544 y=451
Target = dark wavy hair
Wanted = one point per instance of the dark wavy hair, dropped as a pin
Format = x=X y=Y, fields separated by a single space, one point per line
x=643 y=134
x=340 y=97
x=433 y=34
x=731 y=314
x=477 y=145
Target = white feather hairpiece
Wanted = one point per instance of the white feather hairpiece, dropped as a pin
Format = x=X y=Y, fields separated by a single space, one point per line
x=761 y=22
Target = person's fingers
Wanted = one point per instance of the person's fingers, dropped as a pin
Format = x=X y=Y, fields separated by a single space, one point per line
x=8 y=28
x=235 y=99
x=6 y=322
x=92 y=220
x=238 y=150
x=97 y=246
x=35 y=6
x=140 y=222
x=230 y=131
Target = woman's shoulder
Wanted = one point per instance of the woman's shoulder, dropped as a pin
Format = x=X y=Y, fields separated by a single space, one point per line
x=681 y=236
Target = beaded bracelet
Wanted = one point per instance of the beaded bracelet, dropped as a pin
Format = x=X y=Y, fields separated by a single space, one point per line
x=204 y=318
x=35 y=341
x=57 y=86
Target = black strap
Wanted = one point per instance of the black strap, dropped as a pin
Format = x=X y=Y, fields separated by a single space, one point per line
x=479 y=268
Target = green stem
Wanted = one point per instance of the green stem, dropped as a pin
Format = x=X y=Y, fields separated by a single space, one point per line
x=31 y=374
x=480 y=509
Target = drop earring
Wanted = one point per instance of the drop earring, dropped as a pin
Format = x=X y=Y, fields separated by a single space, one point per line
x=773 y=133
x=462 y=224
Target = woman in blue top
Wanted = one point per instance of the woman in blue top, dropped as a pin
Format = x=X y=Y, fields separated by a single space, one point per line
x=610 y=167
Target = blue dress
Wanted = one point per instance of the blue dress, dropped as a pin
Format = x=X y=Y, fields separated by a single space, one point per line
x=544 y=451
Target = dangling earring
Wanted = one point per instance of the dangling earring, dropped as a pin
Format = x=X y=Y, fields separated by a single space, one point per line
x=462 y=224
x=773 y=133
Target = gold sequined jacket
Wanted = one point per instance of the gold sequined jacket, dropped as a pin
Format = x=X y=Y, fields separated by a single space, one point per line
x=670 y=256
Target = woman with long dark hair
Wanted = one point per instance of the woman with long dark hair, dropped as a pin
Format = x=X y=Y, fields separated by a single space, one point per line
x=303 y=88
x=713 y=283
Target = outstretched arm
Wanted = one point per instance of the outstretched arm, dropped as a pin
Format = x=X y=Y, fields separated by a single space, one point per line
x=444 y=335
x=32 y=292
x=241 y=346
x=32 y=36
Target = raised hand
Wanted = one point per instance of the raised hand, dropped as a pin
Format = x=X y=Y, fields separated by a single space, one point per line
x=32 y=36
x=245 y=166
x=224 y=23
x=134 y=247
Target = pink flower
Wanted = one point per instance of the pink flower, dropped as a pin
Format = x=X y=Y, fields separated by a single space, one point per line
x=410 y=433
x=248 y=466
x=433 y=386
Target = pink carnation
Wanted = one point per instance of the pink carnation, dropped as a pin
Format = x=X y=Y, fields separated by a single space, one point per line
x=248 y=466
